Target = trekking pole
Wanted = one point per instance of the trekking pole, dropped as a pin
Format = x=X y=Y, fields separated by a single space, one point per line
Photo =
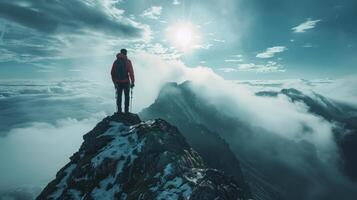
x=131 y=99
x=116 y=97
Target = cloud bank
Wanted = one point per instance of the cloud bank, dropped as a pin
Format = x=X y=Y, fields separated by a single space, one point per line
x=48 y=34
x=279 y=140
x=32 y=155
x=71 y=17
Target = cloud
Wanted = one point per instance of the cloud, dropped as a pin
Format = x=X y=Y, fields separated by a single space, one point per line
x=270 y=52
x=270 y=66
x=153 y=12
x=341 y=89
x=71 y=17
x=31 y=101
x=35 y=152
x=219 y=40
x=286 y=141
x=233 y=60
x=39 y=116
x=6 y=56
x=237 y=56
x=24 y=102
x=227 y=69
x=147 y=66
x=50 y=33
x=176 y=2
x=307 y=46
x=309 y=24
x=158 y=49
x=2 y=31
x=20 y=193
x=205 y=46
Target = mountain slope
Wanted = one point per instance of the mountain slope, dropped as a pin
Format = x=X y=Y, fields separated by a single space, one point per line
x=204 y=126
x=124 y=158
x=344 y=116
x=274 y=166
x=214 y=150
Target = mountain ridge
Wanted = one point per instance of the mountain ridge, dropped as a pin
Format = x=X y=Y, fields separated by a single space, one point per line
x=265 y=157
x=126 y=158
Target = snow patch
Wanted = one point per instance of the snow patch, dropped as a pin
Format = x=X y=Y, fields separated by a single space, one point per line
x=124 y=148
x=125 y=144
x=75 y=194
x=173 y=189
x=101 y=192
x=63 y=183
x=194 y=179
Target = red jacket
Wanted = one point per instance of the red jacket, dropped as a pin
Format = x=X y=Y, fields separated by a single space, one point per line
x=129 y=68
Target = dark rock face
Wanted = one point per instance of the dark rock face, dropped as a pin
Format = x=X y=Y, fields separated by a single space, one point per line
x=214 y=150
x=221 y=189
x=124 y=158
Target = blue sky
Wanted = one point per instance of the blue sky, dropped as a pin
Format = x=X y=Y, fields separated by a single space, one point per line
x=246 y=39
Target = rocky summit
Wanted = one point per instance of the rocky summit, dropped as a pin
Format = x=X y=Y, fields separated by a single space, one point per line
x=126 y=158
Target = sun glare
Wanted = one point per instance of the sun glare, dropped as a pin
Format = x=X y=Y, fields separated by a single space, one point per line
x=183 y=36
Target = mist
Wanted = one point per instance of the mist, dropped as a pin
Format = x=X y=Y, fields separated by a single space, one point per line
x=284 y=142
x=32 y=155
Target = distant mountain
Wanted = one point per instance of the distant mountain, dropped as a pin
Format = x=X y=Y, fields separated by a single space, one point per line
x=269 y=173
x=200 y=123
x=125 y=158
x=345 y=116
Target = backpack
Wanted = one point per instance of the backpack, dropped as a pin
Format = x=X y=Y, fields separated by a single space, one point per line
x=121 y=70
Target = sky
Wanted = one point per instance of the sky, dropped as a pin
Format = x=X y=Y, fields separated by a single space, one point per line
x=237 y=39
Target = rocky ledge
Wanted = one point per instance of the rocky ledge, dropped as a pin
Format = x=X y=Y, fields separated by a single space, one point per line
x=125 y=158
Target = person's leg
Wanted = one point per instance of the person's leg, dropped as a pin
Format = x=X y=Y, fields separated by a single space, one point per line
x=126 y=93
x=119 y=96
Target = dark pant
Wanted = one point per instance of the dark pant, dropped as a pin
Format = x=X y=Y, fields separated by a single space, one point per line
x=120 y=87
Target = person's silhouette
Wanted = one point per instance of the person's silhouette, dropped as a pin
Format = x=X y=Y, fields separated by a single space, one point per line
x=123 y=78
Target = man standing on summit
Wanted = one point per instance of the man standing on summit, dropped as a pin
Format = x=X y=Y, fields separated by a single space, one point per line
x=123 y=79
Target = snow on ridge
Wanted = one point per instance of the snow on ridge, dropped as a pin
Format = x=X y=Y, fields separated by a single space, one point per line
x=124 y=146
x=177 y=186
x=63 y=183
x=101 y=192
x=174 y=188
x=125 y=143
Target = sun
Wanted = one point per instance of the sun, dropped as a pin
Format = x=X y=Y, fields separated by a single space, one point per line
x=183 y=36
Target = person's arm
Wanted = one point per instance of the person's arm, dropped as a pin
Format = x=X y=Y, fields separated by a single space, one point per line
x=131 y=72
x=113 y=72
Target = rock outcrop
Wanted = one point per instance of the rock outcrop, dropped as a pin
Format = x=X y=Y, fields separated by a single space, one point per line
x=125 y=158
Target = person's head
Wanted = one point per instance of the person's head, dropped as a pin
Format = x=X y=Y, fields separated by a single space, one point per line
x=123 y=51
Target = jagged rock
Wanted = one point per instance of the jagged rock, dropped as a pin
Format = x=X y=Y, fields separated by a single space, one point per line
x=124 y=158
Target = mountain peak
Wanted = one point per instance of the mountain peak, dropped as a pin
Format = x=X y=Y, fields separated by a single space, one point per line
x=126 y=158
